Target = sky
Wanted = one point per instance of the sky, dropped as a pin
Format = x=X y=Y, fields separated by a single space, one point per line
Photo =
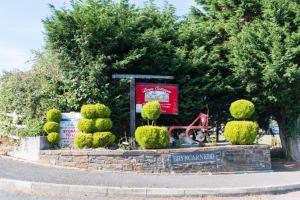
x=22 y=32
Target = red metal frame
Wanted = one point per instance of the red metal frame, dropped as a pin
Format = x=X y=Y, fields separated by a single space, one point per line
x=202 y=120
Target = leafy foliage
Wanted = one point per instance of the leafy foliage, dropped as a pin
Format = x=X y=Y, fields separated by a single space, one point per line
x=53 y=138
x=242 y=109
x=102 y=111
x=152 y=137
x=88 y=111
x=83 y=140
x=50 y=127
x=54 y=115
x=103 y=124
x=151 y=110
x=102 y=139
x=241 y=132
x=233 y=49
x=86 y=125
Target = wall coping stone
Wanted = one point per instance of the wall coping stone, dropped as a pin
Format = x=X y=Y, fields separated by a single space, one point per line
x=119 y=152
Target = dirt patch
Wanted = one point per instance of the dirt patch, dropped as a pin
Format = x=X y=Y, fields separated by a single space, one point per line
x=6 y=145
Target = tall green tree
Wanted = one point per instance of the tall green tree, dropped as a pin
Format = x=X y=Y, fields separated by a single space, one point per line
x=262 y=44
x=95 y=39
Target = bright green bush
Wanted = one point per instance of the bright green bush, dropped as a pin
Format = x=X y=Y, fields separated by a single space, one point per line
x=103 y=124
x=86 y=125
x=242 y=109
x=53 y=138
x=84 y=140
x=102 y=111
x=102 y=139
x=152 y=137
x=151 y=110
x=88 y=111
x=50 y=127
x=241 y=132
x=54 y=115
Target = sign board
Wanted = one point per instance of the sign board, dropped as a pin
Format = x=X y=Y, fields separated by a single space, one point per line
x=167 y=95
x=68 y=128
x=193 y=157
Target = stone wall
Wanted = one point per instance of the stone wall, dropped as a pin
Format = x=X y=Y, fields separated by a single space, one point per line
x=189 y=160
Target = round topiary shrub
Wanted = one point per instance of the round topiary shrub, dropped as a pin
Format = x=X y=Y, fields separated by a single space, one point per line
x=53 y=138
x=88 y=111
x=242 y=109
x=50 y=127
x=54 y=115
x=151 y=110
x=152 y=137
x=86 y=125
x=102 y=111
x=102 y=139
x=103 y=124
x=241 y=132
x=83 y=140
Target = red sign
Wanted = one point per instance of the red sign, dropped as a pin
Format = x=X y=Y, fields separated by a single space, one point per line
x=167 y=95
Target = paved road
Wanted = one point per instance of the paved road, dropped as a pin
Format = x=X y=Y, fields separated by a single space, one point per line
x=20 y=196
x=13 y=169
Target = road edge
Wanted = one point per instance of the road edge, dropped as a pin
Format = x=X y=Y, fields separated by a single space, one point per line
x=67 y=190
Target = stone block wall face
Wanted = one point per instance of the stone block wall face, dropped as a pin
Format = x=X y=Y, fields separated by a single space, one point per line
x=226 y=159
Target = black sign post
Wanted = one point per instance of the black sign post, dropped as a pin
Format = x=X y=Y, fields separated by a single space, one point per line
x=132 y=78
x=132 y=107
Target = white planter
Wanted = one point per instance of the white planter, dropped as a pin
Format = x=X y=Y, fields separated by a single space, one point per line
x=29 y=148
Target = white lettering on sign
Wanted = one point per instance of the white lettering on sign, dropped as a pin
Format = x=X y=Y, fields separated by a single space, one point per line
x=180 y=158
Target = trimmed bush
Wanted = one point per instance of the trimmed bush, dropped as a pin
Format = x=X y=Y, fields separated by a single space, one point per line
x=54 y=115
x=83 y=140
x=50 y=127
x=86 y=125
x=88 y=111
x=242 y=109
x=103 y=124
x=241 y=132
x=102 y=139
x=152 y=137
x=151 y=110
x=102 y=111
x=53 y=138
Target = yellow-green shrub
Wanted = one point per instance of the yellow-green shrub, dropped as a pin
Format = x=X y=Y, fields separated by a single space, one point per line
x=242 y=109
x=88 y=111
x=241 y=132
x=53 y=138
x=86 y=125
x=152 y=137
x=50 y=127
x=83 y=140
x=151 y=110
x=102 y=139
x=103 y=124
x=54 y=115
x=102 y=111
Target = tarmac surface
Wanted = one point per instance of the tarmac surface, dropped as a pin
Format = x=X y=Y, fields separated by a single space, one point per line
x=33 y=178
x=13 y=169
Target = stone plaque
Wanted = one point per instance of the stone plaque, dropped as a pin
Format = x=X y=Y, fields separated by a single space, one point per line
x=193 y=157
